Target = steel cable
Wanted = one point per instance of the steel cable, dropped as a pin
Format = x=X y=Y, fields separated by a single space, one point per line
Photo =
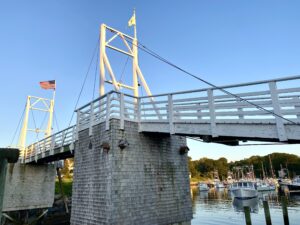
x=157 y=56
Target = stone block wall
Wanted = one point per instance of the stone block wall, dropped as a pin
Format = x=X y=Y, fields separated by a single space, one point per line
x=145 y=183
x=29 y=187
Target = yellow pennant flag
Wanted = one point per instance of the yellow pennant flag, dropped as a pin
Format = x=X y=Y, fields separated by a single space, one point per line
x=131 y=22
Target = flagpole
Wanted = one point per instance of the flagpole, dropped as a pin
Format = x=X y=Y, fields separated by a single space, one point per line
x=53 y=102
x=135 y=35
x=135 y=59
x=51 y=111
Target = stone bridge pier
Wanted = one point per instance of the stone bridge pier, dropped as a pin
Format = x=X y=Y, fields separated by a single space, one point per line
x=123 y=176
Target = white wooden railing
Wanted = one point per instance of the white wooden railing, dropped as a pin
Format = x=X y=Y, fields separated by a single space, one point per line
x=203 y=106
x=112 y=105
x=47 y=145
x=213 y=106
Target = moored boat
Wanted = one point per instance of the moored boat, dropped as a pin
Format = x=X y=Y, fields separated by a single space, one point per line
x=203 y=187
x=264 y=186
x=294 y=187
x=252 y=203
x=218 y=184
x=244 y=190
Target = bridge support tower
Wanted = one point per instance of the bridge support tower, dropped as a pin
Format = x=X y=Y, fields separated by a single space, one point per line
x=125 y=177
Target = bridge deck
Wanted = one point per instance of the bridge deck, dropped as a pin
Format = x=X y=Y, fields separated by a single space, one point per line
x=206 y=113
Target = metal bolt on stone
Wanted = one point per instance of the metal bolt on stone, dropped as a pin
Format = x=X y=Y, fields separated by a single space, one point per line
x=105 y=146
x=183 y=150
x=123 y=143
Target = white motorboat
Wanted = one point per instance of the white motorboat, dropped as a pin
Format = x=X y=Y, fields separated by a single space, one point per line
x=244 y=190
x=264 y=186
x=252 y=203
x=203 y=187
x=218 y=184
x=294 y=187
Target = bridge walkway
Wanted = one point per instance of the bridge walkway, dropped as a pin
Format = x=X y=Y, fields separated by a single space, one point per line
x=210 y=114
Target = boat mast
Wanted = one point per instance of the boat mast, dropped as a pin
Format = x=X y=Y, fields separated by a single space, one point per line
x=271 y=167
x=263 y=170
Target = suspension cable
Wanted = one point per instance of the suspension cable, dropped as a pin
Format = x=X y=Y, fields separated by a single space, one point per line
x=43 y=121
x=82 y=86
x=84 y=81
x=36 y=129
x=55 y=119
x=19 y=123
x=123 y=70
x=95 y=76
x=157 y=56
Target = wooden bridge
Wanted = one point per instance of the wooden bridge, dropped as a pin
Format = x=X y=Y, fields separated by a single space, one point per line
x=135 y=171
x=260 y=111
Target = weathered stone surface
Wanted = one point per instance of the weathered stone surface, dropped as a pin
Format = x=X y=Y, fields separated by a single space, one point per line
x=29 y=187
x=145 y=183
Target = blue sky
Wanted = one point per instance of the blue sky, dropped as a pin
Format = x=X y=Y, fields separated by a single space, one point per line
x=224 y=42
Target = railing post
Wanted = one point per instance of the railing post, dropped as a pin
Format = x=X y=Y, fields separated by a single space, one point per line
x=240 y=110
x=212 y=114
x=170 y=114
x=77 y=126
x=44 y=148
x=72 y=144
x=52 y=144
x=107 y=111
x=138 y=102
x=297 y=107
x=91 y=119
x=32 y=150
x=63 y=135
x=199 y=117
x=24 y=155
x=122 y=111
x=276 y=109
x=36 y=152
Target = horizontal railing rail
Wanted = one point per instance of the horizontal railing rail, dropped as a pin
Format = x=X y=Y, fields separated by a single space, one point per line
x=275 y=101
x=47 y=145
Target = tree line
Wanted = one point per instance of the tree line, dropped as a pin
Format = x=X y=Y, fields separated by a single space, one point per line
x=204 y=168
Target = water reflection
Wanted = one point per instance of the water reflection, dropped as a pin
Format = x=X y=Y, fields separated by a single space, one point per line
x=218 y=193
x=216 y=206
x=203 y=195
x=239 y=204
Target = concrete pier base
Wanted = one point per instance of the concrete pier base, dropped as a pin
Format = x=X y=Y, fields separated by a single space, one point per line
x=147 y=182
x=29 y=187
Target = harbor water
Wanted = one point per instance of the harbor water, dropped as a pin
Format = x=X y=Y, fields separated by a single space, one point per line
x=215 y=207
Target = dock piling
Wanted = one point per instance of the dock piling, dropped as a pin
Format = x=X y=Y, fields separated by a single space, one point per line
x=267 y=212
x=284 y=210
x=247 y=215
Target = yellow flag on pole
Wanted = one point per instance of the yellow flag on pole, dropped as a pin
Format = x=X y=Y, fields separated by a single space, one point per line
x=131 y=22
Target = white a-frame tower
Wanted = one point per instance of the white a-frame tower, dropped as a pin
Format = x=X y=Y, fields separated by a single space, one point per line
x=131 y=45
x=36 y=104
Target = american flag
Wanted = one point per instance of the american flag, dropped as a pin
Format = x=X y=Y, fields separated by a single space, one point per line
x=48 y=84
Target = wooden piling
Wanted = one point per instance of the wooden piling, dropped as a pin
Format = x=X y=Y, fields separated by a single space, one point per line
x=62 y=190
x=247 y=215
x=267 y=212
x=284 y=210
